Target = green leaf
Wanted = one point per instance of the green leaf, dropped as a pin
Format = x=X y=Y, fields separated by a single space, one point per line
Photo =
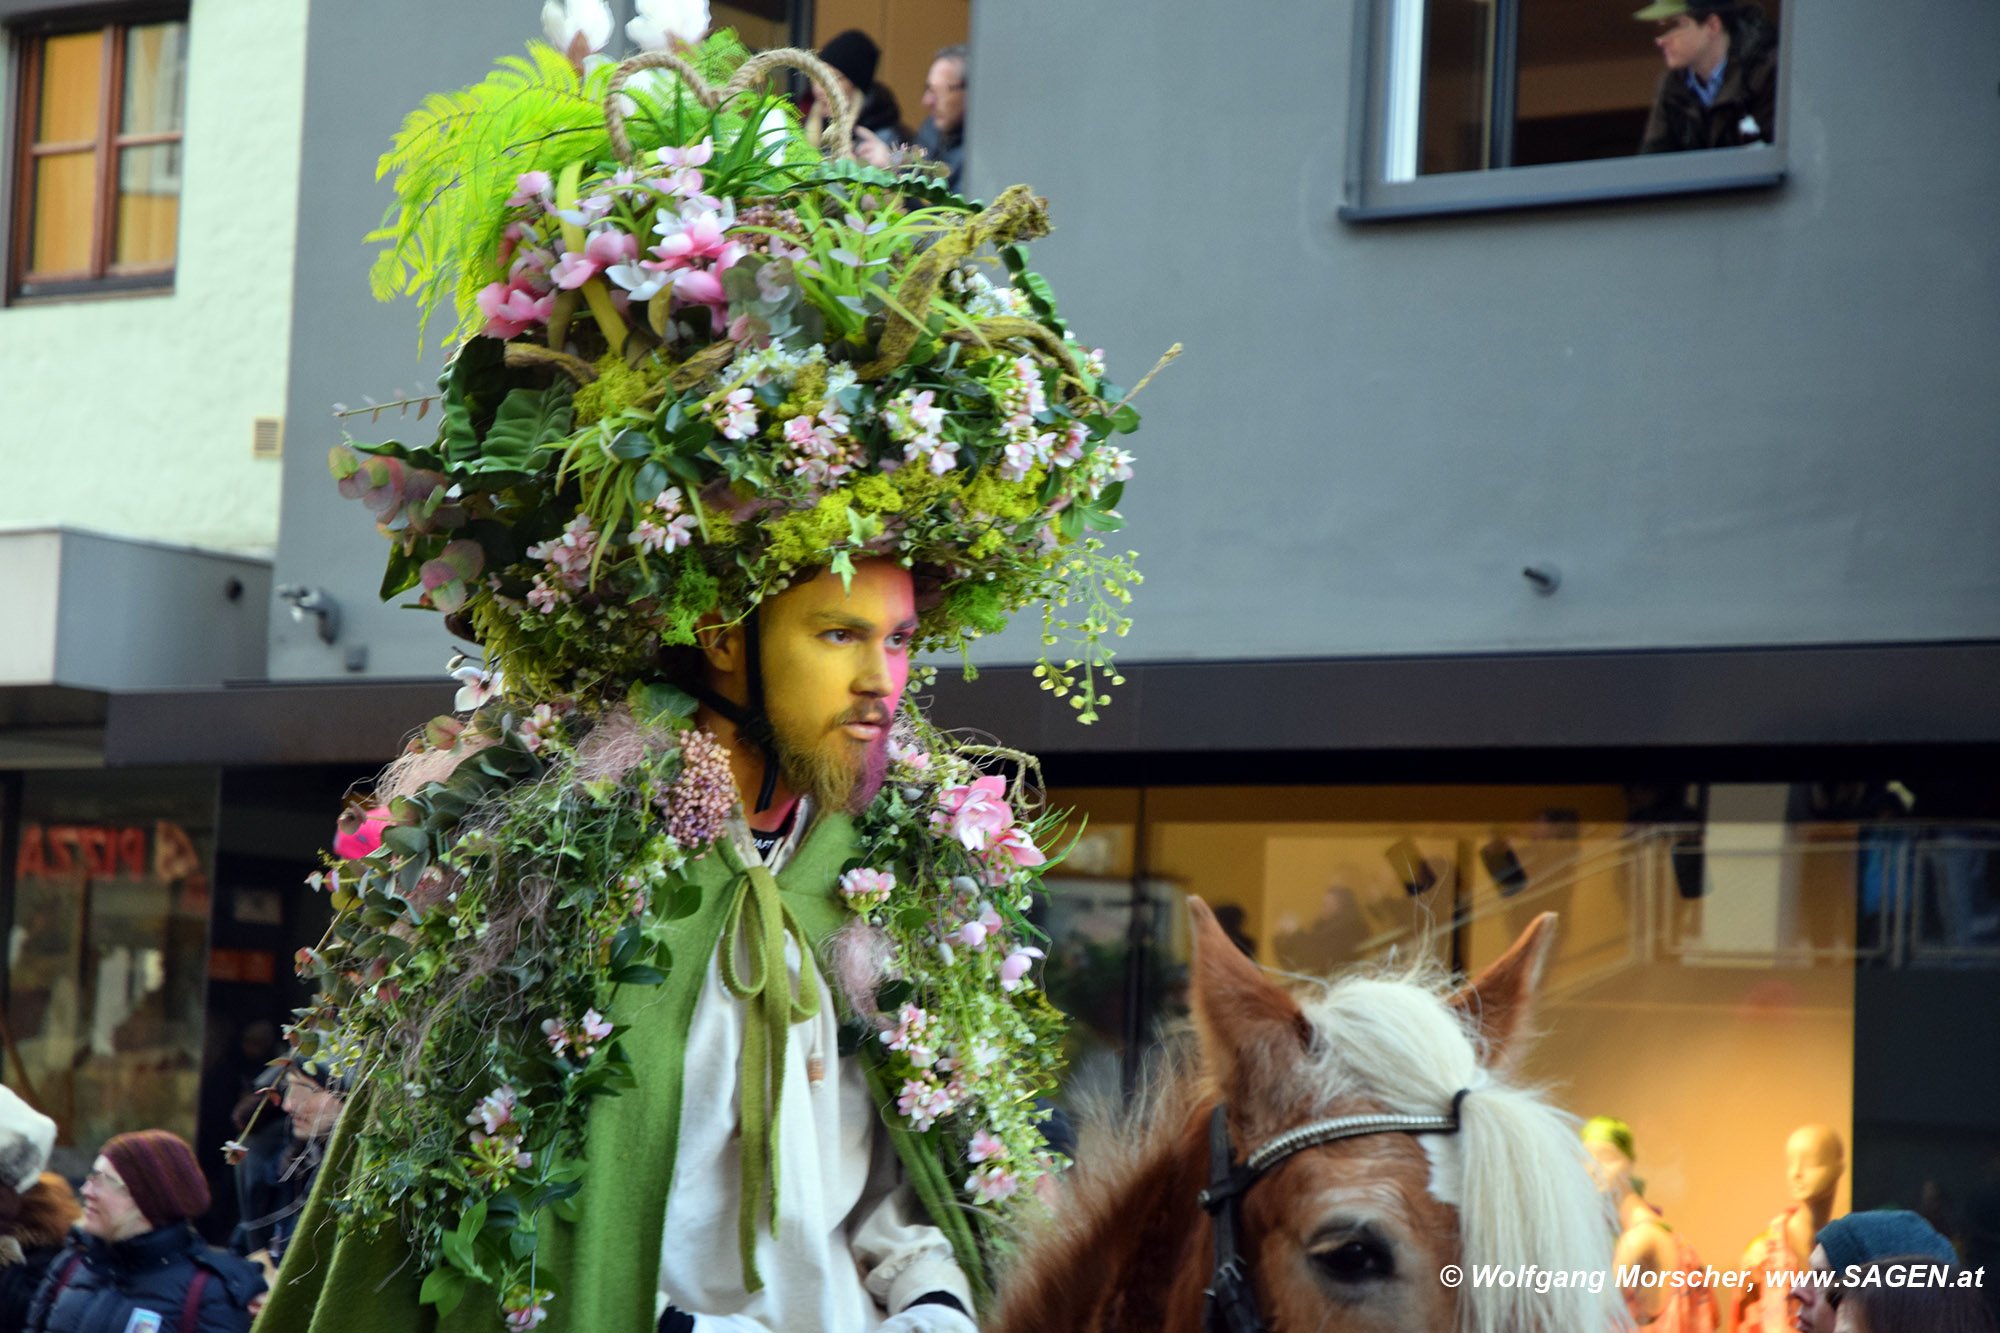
x=648 y=482
x=407 y=841
x=444 y=1288
x=638 y=974
x=657 y=702
x=528 y=419
x=1125 y=420
x=473 y=384
x=631 y=445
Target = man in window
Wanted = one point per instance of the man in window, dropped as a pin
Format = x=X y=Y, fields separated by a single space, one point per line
x=1720 y=89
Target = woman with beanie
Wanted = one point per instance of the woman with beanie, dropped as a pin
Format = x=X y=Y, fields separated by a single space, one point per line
x=36 y=1207
x=135 y=1264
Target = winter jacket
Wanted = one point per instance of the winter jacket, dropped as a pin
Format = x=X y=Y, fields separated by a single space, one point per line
x=1746 y=106
x=29 y=1242
x=98 y=1286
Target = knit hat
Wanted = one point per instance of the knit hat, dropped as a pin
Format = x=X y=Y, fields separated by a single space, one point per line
x=26 y=1136
x=160 y=1174
x=1878 y=1234
x=854 y=54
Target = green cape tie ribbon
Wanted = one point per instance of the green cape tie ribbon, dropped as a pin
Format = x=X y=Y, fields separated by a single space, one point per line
x=755 y=925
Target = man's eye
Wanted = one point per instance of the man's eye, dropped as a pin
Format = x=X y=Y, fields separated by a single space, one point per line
x=838 y=636
x=899 y=641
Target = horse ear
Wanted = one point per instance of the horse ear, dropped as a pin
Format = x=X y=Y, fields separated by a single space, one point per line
x=1249 y=1026
x=1500 y=1000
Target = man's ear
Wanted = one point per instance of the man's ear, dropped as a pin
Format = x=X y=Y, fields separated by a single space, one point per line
x=721 y=645
x=1500 y=1000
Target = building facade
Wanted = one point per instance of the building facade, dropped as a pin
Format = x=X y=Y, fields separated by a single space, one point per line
x=1528 y=525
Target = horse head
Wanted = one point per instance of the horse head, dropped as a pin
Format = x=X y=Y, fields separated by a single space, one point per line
x=1355 y=1234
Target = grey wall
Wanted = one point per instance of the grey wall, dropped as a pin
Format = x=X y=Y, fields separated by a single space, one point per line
x=1760 y=419
x=1756 y=419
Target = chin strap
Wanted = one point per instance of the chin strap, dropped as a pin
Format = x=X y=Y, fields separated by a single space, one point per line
x=752 y=719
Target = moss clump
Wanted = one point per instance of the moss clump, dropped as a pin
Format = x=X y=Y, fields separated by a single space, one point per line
x=617 y=387
x=1016 y=501
x=800 y=539
x=973 y=606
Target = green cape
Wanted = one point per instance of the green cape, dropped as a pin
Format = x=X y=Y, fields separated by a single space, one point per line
x=334 y=1281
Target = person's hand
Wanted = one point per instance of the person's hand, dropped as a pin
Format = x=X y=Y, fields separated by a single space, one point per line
x=868 y=146
x=929 y=1319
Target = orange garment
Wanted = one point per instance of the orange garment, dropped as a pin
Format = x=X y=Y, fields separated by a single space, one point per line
x=1691 y=1307
x=1768 y=1306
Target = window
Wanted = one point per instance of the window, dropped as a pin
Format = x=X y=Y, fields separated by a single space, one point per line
x=1468 y=105
x=98 y=157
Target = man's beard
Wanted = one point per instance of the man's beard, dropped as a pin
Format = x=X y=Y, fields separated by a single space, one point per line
x=844 y=778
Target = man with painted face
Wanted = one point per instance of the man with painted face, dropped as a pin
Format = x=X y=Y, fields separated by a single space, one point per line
x=1720 y=86
x=800 y=694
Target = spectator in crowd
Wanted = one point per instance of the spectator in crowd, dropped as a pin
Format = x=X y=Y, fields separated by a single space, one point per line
x=1859 y=1239
x=277 y=1183
x=1888 y=1299
x=942 y=135
x=36 y=1207
x=1720 y=88
x=135 y=1262
x=878 y=121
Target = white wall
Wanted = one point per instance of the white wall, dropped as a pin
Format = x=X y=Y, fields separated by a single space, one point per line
x=133 y=415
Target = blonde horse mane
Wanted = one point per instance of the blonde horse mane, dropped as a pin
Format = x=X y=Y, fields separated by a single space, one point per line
x=1516 y=1171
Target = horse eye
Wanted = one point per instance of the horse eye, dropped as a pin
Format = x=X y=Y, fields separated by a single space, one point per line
x=1356 y=1261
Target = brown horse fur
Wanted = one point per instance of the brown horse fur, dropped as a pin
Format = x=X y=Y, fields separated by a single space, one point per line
x=42 y=1217
x=1128 y=1247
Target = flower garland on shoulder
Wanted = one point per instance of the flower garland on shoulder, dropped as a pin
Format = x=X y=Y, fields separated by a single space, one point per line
x=522 y=868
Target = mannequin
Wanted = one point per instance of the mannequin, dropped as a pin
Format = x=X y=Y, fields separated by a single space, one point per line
x=1645 y=1241
x=1815 y=1160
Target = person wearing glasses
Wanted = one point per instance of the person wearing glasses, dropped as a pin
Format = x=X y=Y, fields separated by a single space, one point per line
x=1855 y=1241
x=134 y=1263
x=1720 y=87
x=942 y=135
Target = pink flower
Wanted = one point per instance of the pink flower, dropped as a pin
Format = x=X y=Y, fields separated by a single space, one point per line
x=864 y=888
x=739 y=415
x=694 y=155
x=688 y=239
x=992 y=1184
x=912 y=1035
x=366 y=836
x=977 y=811
x=534 y=726
x=606 y=246
x=1014 y=843
x=595 y=1026
x=530 y=187
x=924 y=1102
x=670 y=536
x=545 y=598
x=511 y=311
x=974 y=934
x=985 y=1147
x=495 y=1111
x=1014 y=969
x=557 y=1034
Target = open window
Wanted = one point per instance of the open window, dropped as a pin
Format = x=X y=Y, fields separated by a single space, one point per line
x=1473 y=105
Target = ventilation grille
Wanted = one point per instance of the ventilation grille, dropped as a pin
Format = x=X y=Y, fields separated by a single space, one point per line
x=267 y=437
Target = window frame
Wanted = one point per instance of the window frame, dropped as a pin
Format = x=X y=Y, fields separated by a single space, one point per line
x=104 y=277
x=1369 y=196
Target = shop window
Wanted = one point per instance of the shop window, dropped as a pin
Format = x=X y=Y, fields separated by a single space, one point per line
x=107 y=948
x=1732 y=964
x=98 y=158
x=1487 y=104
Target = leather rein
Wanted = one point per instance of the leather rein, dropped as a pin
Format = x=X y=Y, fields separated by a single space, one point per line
x=1232 y=1302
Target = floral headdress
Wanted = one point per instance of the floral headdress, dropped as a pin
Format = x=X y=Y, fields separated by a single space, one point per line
x=700 y=358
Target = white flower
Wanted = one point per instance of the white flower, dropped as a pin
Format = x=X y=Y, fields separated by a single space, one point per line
x=568 y=23
x=475 y=687
x=659 y=21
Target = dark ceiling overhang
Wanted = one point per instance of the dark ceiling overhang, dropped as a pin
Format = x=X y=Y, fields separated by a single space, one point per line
x=1882 y=696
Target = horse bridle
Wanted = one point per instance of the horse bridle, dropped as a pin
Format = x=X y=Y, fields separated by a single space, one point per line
x=1232 y=1301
